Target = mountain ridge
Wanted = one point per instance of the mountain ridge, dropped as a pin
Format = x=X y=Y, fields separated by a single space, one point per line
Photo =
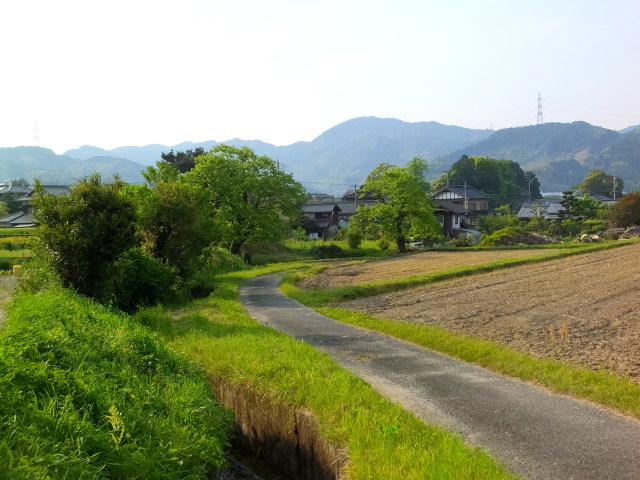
x=561 y=154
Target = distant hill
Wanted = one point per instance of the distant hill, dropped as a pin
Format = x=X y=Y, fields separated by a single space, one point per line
x=562 y=154
x=41 y=163
x=341 y=156
x=629 y=129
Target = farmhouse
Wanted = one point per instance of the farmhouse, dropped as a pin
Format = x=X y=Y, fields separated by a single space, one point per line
x=457 y=208
x=24 y=217
x=323 y=219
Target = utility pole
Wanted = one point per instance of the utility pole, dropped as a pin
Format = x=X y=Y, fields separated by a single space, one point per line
x=539 y=120
x=615 y=186
x=529 y=180
x=355 y=196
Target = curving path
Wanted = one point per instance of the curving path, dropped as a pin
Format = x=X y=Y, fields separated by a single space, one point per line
x=538 y=435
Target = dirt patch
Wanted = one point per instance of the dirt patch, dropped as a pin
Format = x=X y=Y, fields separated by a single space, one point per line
x=582 y=309
x=357 y=273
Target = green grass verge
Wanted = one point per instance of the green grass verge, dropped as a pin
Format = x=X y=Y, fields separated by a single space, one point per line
x=89 y=394
x=383 y=440
x=599 y=386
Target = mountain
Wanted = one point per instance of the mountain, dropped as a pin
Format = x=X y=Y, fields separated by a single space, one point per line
x=341 y=156
x=41 y=163
x=561 y=154
x=629 y=129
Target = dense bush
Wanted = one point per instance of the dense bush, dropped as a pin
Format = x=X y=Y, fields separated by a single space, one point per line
x=326 y=251
x=626 y=212
x=84 y=233
x=354 y=237
x=91 y=394
x=138 y=280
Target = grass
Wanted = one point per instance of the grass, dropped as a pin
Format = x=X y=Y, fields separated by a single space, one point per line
x=89 y=394
x=599 y=386
x=383 y=440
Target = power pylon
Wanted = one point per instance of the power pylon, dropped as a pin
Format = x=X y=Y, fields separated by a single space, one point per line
x=539 y=120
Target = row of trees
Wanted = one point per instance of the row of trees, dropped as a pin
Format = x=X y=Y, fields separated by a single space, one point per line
x=130 y=244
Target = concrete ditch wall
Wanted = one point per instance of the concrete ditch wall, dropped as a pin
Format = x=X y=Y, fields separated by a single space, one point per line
x=284 y=436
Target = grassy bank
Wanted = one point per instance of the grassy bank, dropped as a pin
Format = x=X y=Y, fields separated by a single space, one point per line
x=382 y=439
x=89 y=394
x=599 y=386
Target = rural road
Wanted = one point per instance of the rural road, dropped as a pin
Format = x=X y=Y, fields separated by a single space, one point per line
x=536 y=434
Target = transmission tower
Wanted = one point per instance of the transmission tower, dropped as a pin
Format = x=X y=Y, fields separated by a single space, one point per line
x=539 y=120
x=37 y=135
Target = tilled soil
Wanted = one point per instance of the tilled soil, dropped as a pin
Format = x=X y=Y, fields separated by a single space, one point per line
x=583 y=309
x=357 y=273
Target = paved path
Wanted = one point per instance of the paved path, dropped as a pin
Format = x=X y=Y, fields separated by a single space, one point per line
x=538 y=435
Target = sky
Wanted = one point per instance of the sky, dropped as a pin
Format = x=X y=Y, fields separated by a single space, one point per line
x=136 y=72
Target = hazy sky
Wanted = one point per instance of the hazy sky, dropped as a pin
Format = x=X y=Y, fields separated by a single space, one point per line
x=134 y=72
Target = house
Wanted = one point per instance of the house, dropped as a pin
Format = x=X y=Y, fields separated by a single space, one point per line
x=539 y=209
x=24 y=217
x=457 y=208
x=324 y=219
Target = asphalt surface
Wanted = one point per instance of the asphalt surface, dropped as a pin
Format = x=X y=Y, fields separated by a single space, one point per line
x=536 y=434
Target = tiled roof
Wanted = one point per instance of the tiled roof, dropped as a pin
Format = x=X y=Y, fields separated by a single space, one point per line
x=540 y=210
x=461 y=189
x=318 y=207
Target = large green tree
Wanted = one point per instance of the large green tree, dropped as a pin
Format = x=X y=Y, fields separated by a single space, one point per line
x=597 y=182
x=404 y=207
x=503 y=180
x=248 y=197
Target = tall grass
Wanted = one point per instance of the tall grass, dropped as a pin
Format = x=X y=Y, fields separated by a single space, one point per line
x=383 y=440
x=88 y=394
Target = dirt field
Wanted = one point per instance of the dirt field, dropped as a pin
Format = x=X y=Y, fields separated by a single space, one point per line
x=357 y=273
x=583 y=309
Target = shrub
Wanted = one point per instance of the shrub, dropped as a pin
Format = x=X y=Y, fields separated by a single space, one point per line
x=326 y=251
x=6 y=264
x=138 y=280
x=85 y=232
x=626 y=212
x=354 y=237
x=383 y=244
x=463 y=240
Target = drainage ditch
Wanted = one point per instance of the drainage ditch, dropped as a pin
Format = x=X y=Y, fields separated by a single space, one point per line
x=283 y=440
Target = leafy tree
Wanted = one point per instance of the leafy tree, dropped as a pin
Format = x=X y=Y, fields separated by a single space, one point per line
x=626 y=212
x=581 y=208
x=503 y=180
x=182 y=161
x=85 y=232
x=172 y=225
x=498 y=221
x=248 y=197
x=403 y=205
x=597 y=182
x=21 y=182
x=4 y=209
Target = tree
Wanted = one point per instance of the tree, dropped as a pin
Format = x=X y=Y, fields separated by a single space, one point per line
x=503 y=180
x=183 y=161
x=626 y=212
x=582 y=208
x=85 y=232
x=172 y=225
x=248 y=197
x=403 y=205
x=597 y=182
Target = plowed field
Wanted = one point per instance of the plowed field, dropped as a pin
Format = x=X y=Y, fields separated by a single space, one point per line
x=583 y=309
x=357 y=273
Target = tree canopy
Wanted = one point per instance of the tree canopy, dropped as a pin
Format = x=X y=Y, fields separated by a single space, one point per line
x=404 y=205
x=503 y=180
x=183 y=161
x=248 y=197
x=626 y=212
x=597 y=182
